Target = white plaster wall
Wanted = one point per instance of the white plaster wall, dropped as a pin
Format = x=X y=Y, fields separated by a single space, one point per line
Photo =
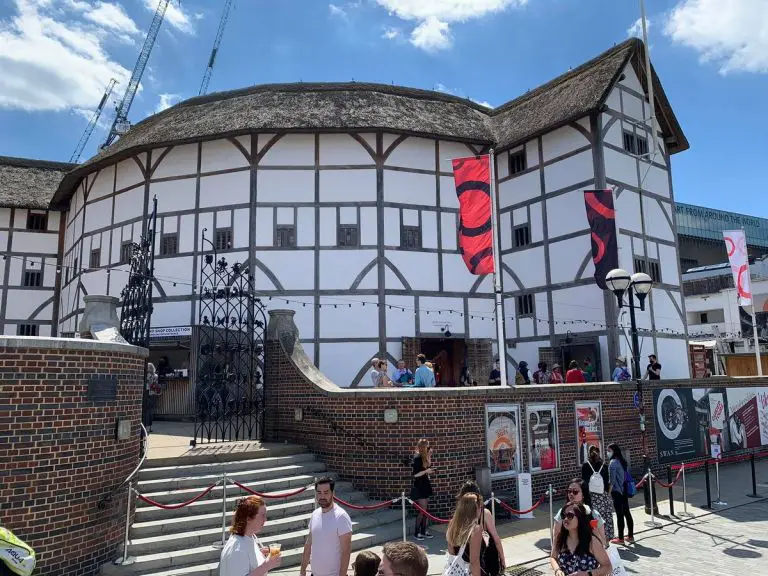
x=400 y=323
x=170 y=314
x=630 y=79
x=129 y=173
x=566 y=214
x=633 y=106
x=414 y=153
x=225 y=189
x=519 y=189
x=570 y=171
x=240 y=227
x=180 y=161
x=665 y=314
x=578 y=305
x=293 y=269
x=174 y=195
x=419 y=268
x=438 y=312
x=104 y=184
x=656 y=223
x=345 y=322
x=409 y=188
x=348 y=185
x=179 y=269
x=481 y=317
x=456 y=276
x=95 y=282
x=341 y=361
x=285 y=186
x=339 y=268
x=670 y=265
x=562 y=141
x=620 y=167
x=222 y=155
x=129 y=205
x=343 y=150
x=655 y=179
x=627 y=206
x=451 y=150
x=528 y=265
x=291 y=150
x=566 y=257
x=391 y=227
x=265 y=222
x=449 y=230
x=34 y=242
x=22 y=303
x=448 y=198
x=98 y=215
x=673 y=357
x=429 y=229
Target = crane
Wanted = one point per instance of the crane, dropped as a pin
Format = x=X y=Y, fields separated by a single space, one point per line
x=120 y=124
x=215 y=50
x=92 y=123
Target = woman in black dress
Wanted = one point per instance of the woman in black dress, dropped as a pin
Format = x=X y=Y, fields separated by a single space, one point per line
x=421 y=490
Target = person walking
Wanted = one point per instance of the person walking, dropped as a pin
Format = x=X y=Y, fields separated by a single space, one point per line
x=464 y=536
x=577 y=551
x=574 y=374
x=617 y=473
x=243 y=554
x=329 y=543
x=578 y=493
x=653 y=371
x=594 y=472
x=403 y=559
x=421 y=488
x=424 y=377
x=493 y=562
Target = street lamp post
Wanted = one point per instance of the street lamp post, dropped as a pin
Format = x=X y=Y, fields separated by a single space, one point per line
x=620 y=282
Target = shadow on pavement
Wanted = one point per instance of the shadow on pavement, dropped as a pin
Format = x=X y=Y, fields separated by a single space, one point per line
x=742 y=553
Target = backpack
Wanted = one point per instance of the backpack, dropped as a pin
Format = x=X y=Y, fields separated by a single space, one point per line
x=624 y=375
x=596 y=485
x=16 y=554
x=630 y=488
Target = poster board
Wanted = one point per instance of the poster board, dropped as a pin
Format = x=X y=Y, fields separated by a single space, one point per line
x=679 y=435
x=502 y=438
x=543 y=441
x=589 y=428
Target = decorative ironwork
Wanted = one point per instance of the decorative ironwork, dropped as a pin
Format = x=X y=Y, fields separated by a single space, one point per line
x=136 y=306
x=229 y=392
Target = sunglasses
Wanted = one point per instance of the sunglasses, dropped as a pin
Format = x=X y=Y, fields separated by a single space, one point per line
x=569 y=516
x=574 y=492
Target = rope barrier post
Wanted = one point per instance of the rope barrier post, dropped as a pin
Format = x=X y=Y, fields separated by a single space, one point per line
x=706 y=481
x=405 y=530
x=719 y=502
x=125 y=561
x=223 y=508
x=754 y=477
x=649 y=484
x=493 y=499
x=671 y=491
x=685 y=491
x=551 y=519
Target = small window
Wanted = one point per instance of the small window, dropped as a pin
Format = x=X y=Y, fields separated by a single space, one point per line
x=634 y=144
x=285 y=236
x=522 y=235
x=348 y=236
x=525 y=305
x=33 y=278
x=223 y=238
x=95 y=261
x=410 y=237
x=517 y=162
x=37 y=221
x=76 y=268
x=703 y=318
x=169 y=244
x=126 y=251
x=650 y=267
x=27 y=330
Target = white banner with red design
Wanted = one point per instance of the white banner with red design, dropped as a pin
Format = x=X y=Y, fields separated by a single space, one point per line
x=736 y=245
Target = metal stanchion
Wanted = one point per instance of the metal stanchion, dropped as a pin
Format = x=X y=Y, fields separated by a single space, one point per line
x=754 y=477
x=717 y=478
x=685 y=492
x=493 y=505
x=649 y=483
x=706 y=481
x=671 y=492
x=223 y=508
x=405 y=530
x=125 y=560
x=551 y=519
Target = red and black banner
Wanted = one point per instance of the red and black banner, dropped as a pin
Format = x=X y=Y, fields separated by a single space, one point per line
x=472 y=177
x=602 y=222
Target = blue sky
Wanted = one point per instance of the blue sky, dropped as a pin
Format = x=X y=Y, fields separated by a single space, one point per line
x=56 y=57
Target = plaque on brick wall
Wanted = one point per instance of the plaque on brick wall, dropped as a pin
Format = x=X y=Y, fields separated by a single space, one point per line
x=102 y=389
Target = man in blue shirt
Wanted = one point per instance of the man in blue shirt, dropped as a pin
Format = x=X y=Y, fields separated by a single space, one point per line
x=424 y=377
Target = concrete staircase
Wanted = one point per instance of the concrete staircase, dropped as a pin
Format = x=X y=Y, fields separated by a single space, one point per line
x=187 y=541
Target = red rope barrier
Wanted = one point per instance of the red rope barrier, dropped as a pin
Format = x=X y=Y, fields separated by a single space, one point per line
x=271 y=496
x=175 y=506
x=427 y=514
x=520 y=512
x=674 y=482
x=361 y=507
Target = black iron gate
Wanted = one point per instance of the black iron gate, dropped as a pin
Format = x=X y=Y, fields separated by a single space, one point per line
x=136 y=299
x=229 y=392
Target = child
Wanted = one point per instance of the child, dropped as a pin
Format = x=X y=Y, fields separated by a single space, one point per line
x=366 y=564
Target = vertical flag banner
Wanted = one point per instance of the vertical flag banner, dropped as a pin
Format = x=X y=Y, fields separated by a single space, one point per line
x=473 y=188
x=602 y=222
x=736 y=246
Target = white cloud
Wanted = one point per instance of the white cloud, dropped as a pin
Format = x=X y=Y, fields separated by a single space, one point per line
x=636 y=29
x=166 y=101
x=53 y=57
x=112 y=16
x=434 y=17
x=175 y=16
x=732 y=34
x=440 y=87
x=391 y=33
x=337 y=11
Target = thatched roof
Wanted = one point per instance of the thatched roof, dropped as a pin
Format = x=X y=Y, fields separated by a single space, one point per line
x=368 y=107
x=28 y=183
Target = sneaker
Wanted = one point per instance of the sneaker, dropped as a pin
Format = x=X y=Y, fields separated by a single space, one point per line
x=629 y=540
x=429 y=535
x=418 y=537
x=617 y=541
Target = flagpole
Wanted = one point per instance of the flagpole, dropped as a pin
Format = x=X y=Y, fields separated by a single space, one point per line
x=754 y=317
x=500 y=341
x=651 y=101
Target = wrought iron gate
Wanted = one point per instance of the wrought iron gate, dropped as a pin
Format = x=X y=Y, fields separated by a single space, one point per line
x=229 y=392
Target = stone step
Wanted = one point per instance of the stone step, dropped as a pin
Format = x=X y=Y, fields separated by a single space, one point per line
x=221 y=452
x=290 y=532
x=309 y=467
x=369 y=530
x=276 y=514
x=212 y=502
x=217 y=468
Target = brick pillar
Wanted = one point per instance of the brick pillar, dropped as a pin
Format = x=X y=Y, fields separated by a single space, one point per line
x=480 y=359
x=411 y=349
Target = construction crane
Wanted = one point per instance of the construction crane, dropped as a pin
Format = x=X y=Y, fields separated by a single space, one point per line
x=120 y=124
x=215 y=50
x=92 y=123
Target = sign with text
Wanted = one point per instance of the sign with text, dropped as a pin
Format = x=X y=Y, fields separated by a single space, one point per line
x=678 y=434
x=170 y=331
x=502 y=433
x=542 y=436
x=589 y=428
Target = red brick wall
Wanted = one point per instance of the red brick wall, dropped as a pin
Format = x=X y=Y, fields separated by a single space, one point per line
x=58 y=452
x=347 y=429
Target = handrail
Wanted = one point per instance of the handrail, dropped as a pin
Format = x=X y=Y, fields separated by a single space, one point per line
x=106 y=499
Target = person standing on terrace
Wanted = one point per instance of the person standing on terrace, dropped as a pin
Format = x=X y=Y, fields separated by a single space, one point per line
x=424 y=377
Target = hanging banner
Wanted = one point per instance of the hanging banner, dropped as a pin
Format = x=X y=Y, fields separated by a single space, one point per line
x=589 y=428
x=678 y=433
x=502 y=437
x=542 y=436
x=473 y=187
x=602 y=222
x=736 y=246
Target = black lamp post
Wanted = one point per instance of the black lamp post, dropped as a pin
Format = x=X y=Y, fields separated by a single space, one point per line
x=620 y=282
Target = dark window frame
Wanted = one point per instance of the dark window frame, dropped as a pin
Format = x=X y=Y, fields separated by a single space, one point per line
x=95 y=258
x=410 y=237
x=521 y=235
x=37 y=222
x=634 y=143
x=223 y=238
x=518 y=162
x=703 y=317
x=281 y=230
x=650 y=266
x=164 y=248
x=27 y=329
x=525 y=305
x=126 y=251
x=32 y=278
x=342 y=230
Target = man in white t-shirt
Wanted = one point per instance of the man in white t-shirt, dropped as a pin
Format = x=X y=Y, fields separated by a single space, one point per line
x=329 y=542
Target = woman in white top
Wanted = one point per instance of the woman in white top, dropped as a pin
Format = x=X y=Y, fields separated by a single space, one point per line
x=243 y=554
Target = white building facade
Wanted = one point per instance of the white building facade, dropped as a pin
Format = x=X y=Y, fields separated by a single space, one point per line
x=341 y=200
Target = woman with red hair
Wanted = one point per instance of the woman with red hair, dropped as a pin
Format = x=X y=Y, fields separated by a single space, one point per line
x=243 y=554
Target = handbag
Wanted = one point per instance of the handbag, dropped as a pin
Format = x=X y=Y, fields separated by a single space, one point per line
x=617 y=566
x=456 y=565
x=15 y=554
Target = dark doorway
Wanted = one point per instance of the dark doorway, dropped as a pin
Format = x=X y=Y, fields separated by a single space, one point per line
x=448 y=356
x=579 y=352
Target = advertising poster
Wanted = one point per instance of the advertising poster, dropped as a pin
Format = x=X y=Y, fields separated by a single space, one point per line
x=589 y=428
x=679 y=434
x=502 y=433
x=542 y=436
x=747 y=418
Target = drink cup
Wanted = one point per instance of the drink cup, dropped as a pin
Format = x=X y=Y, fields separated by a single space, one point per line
x=274 y=550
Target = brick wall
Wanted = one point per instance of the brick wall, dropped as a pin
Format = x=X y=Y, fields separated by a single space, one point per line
x=58 y=452
x=346 y=428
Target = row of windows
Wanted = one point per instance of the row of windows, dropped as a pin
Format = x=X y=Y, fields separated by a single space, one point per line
x=27 y=330
x=635 y=144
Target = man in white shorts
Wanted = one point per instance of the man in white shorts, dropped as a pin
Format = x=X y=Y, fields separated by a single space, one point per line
x=329 y=542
